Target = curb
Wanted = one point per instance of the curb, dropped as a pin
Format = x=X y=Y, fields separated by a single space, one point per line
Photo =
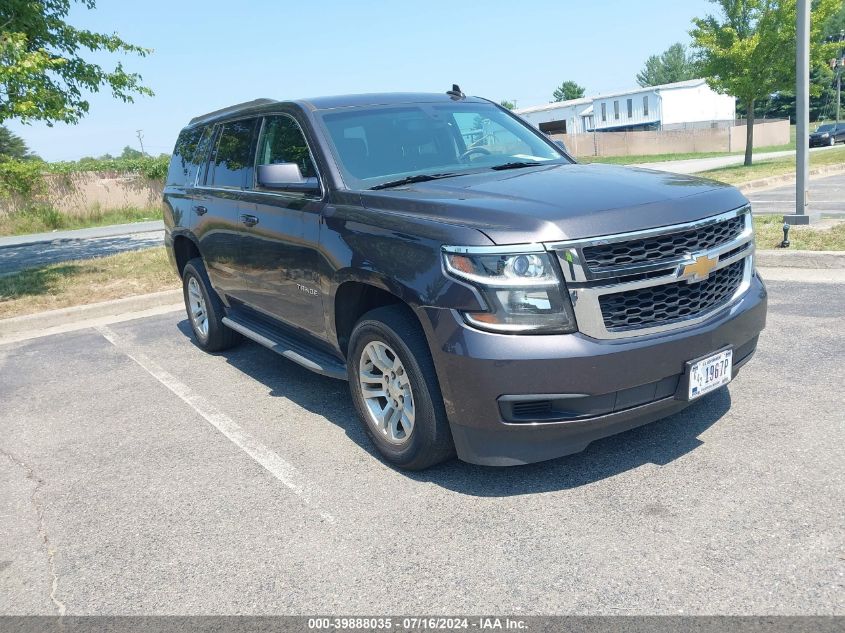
x=784 y=258
x=774 y=181
x=63 y=316
x=75 y=235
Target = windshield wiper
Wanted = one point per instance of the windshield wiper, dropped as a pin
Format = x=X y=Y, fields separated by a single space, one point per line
x=516 y=165
x=412 y=179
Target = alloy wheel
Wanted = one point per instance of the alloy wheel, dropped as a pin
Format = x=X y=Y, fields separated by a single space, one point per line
x=197 y=308
x=386 y=391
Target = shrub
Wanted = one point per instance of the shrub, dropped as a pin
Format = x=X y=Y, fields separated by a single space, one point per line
x=151 y=167
x=21 y=177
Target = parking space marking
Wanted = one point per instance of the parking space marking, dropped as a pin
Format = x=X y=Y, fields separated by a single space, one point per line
x=270 y=460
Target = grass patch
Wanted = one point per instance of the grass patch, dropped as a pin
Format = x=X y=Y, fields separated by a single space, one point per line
x=86 y=281
x=647 y=158
x=738 y=174
x=637 y=159
x=43 y=219
x=768 y=231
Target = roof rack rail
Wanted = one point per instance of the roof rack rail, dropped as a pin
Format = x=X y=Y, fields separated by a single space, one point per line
x=234 y=108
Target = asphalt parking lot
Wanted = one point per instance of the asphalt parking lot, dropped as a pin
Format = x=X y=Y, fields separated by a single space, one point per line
x=827 y=196
x=139 y=475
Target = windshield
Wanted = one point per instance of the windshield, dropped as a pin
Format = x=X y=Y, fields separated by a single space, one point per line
x=376 y=145
x=825 y=128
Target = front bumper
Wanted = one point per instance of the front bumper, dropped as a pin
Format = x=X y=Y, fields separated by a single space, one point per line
x=627 y=382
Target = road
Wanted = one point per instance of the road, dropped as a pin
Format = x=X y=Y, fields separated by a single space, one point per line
x=695 y=165
x=827 y=196
x=139 y=475
x=40 y=249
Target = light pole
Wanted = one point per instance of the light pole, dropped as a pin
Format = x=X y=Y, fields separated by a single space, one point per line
x=802 y=116
x=838 y=63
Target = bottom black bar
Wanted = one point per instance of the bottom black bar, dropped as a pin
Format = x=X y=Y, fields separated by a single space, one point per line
x=564 y=624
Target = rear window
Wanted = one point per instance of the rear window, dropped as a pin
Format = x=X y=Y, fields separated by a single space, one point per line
x=189 y=152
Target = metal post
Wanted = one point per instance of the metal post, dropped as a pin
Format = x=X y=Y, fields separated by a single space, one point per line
x=840 y=62
x=802 y=115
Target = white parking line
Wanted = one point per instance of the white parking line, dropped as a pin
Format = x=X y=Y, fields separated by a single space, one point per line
x=271 y=461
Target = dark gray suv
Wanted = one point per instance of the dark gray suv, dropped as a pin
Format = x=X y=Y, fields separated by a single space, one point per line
x=481 y=292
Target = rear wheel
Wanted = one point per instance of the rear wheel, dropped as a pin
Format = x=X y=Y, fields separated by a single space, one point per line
x=395 y=390
x=205 y=309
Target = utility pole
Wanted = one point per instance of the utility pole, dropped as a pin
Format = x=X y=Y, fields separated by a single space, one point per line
x=802 y=116
x=140 y=134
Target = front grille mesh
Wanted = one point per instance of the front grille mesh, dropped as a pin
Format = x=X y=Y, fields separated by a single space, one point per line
x=667 y=246
x=660 y=305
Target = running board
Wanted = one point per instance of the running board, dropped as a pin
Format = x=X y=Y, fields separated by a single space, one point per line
x=289 y=347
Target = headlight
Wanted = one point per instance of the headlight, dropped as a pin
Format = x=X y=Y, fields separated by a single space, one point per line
x=522 y=291
x=825 y=135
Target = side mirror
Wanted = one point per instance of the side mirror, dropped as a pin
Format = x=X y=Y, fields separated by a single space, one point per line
x=561 y=145
x=287 y=177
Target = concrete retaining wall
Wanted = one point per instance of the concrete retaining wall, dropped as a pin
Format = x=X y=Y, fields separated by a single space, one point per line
x=75 y=194
x=719 y=139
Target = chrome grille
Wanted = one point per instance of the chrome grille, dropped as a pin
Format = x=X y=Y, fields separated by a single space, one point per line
x=668 y=303
x=656 y=280
x=661 y=247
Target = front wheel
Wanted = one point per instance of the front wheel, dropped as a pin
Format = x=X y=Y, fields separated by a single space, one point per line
x=395 y=390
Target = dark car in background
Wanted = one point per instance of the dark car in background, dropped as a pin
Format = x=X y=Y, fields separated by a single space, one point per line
x=828 y=134
x=482 y=293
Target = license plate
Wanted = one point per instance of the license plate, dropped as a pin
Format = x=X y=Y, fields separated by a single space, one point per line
x=710 y=373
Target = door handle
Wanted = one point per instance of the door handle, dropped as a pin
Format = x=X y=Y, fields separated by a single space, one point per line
x=200 y=210
x=249 y=220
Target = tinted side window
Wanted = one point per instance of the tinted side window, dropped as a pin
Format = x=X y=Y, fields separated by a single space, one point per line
x=189 y=151
x=231 y=162
x=282 y=142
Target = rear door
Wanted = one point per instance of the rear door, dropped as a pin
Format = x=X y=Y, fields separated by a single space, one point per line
x=280 y=253
x=219 y=203
x=188 y=153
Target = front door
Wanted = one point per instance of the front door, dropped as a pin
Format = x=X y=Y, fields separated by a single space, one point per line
x=279 y=254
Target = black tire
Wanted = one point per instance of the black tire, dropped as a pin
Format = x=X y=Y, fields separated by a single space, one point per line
x=430 y=441
x=219 y=337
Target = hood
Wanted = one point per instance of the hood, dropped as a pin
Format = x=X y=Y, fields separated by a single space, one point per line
x=560 y=202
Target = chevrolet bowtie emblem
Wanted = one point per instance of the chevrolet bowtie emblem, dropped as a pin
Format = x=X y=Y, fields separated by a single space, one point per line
x=700 y=268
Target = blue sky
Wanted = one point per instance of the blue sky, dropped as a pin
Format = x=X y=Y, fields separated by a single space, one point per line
x=211 y=54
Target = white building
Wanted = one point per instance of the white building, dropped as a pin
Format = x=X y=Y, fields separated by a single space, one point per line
x=670 y=106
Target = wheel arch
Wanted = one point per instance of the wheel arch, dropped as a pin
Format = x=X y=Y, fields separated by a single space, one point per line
x=356 y=295
x=185 y=248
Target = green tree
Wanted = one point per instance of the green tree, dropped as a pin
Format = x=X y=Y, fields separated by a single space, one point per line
x=822 y=79
x=510 y=105
x=568 y=90
x=673 y=64
x=836 y=22
x=43 y=76
x=13 y=146
x=749 y=50
x=130 y=152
